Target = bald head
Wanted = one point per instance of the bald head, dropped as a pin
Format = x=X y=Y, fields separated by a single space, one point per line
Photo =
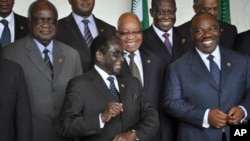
x=129 y=31
x=126 y=18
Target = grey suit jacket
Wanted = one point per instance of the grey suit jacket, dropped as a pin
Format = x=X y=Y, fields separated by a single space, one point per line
x=87 y=96
x=191 y=90
x=46 y=94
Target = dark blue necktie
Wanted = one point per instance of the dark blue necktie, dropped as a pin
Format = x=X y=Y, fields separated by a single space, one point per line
x=5 y=38
x=47 y=60
x=112 y=88
x=214 y=69
x=87 y=34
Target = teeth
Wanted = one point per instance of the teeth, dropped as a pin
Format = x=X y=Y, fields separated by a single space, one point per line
x=131 y=44
x=207 y=42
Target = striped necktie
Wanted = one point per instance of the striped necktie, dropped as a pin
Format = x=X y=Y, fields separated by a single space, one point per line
x=87 y=34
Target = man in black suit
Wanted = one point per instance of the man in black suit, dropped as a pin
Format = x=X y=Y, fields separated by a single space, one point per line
x=163 y=13
x=150 y=67
x=242 y=42
x=227 y=31
x=90 y=110
x=18 y=25
x=71 y=28
x=15 y=119
x=164 y=18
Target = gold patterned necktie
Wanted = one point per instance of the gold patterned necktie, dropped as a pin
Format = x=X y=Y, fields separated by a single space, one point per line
x=133 y=67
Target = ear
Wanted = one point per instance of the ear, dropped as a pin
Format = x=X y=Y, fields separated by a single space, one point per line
x=196 y=8
x=99 y=56
x=151 y=12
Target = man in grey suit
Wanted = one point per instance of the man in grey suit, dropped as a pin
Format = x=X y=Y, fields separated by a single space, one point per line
x=72 y=30
x=46 y=86
x=93 y=112
x=208 y=88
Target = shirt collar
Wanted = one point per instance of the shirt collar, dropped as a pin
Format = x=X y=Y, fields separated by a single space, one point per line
x=79 y=18
x=41 y=46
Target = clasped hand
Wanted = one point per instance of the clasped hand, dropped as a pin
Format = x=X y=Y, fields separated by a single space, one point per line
x=112 y=110
x=219 y=119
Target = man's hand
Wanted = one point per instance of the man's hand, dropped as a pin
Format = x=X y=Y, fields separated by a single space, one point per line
x=128 y=136
x=235 y=115
x=111 y=110
x=217 y=118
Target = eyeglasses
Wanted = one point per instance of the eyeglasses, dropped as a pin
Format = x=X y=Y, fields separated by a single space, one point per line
x=117 y=53
x=40 y=21
x=134 y=33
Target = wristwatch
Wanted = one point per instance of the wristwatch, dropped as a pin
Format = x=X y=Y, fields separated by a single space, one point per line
x=136 y=138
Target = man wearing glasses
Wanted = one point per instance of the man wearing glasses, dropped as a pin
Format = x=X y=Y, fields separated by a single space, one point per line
x=104 y=105
x=48 y=66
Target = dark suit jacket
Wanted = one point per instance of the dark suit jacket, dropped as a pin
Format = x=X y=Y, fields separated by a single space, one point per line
x=152 y=42
x=242 y=42
x=227 y=31
x=46 y=94
x=15 y=119
x=191 y=90
x=87 y=96
x=21 y=26
x=70 y=34
x=153 y=74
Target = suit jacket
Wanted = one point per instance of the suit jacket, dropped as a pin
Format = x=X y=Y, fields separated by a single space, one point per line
x=153 y=74
x=21 y=26
x=227 y=31
x=70 y=34
x=242 y=42
x=87 y=96
x=46 y=94
x=15 y=119
x=152 y=42
x=191 y=90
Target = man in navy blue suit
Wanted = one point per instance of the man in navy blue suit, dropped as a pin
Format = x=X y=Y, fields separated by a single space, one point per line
x=206 y=109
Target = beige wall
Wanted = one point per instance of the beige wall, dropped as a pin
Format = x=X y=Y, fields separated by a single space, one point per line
x=109 y=10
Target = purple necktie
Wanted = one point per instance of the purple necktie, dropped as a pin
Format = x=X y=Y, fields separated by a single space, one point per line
x=167 y=43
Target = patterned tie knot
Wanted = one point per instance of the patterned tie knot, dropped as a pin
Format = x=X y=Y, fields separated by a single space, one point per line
x=210 y=57
x=85 y=22
x=111 y=79
x=131 y=56
x=165 y=35
x=4 y=22
x=45 y=51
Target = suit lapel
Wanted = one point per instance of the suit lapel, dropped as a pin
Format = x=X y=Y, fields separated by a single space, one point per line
x=226 y=67
x=36 y=58
x=101 y=86
x=200 y=69
x=122 y=87
x=73 y=28
x=58 y=60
